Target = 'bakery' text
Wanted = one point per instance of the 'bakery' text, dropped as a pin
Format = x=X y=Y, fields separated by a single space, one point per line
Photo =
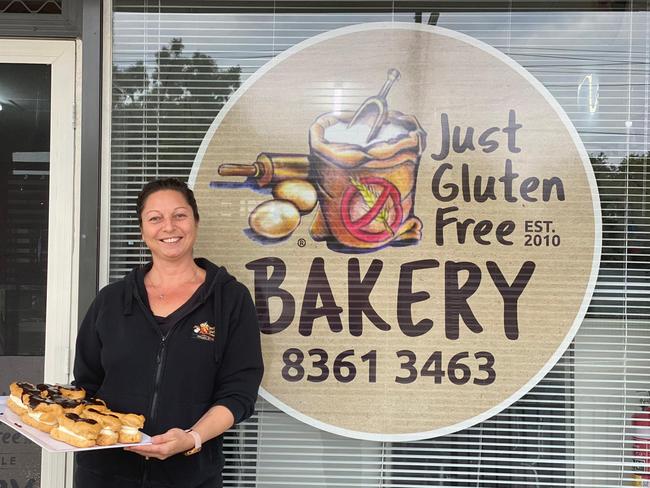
x=269 y=274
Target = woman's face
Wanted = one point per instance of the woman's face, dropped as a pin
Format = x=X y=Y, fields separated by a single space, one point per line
x=168 y=225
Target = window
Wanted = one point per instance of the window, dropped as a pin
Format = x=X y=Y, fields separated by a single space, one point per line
x=176 y=64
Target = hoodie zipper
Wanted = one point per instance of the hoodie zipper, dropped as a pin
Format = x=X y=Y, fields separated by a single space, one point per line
x=161 y=354
x=156 y=383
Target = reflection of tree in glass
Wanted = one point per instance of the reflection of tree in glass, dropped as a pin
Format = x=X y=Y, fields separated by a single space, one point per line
x=165 y=109
x=625 y=202
x=162 y=108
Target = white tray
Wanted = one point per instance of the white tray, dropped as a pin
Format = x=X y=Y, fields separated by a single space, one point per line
x=44 y=440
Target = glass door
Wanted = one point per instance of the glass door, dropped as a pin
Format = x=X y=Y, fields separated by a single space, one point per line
x=37 y=249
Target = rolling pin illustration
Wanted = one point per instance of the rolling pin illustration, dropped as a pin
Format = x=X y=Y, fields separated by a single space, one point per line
x=270 y=168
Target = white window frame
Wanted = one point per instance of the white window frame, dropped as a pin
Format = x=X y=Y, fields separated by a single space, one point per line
x=105 y=178
x=63 y=220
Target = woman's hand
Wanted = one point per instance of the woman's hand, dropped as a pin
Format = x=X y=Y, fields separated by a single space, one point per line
x=165 y=445
x=213 y=423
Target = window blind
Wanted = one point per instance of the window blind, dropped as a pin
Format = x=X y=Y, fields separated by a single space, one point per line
x=175 y=64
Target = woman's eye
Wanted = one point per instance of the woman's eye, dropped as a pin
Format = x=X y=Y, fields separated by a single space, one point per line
x=180 y=216
x=154 y=219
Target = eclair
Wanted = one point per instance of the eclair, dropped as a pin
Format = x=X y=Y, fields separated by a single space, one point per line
x=111 y=425
x=76 y=431
x=69 y=405
x=42 y=413
x=15 y=400
x=96 y=403
x=71 y=391
x=47 y=390
x=131 y=422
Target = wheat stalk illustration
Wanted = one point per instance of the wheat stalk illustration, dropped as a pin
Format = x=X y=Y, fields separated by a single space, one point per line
x=370 y=198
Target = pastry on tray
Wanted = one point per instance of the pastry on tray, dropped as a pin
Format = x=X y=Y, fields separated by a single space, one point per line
x=131 y=423
x=111 y=425
x=47 y=390
x=15 y=400
x=71 y=391
x=96 y=403
x=76 y=431
x=42 y=413
x=67 y=415
x=69 y=405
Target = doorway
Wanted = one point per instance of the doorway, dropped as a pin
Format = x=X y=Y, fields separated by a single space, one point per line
x=39 y=211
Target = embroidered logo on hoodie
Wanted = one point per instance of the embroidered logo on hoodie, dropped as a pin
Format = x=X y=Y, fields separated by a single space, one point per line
x=203 y=331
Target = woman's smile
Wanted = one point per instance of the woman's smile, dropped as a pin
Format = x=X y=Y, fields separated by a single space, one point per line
x=171 y=240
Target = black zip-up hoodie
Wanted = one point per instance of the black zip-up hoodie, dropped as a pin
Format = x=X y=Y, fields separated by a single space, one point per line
x=123 y=358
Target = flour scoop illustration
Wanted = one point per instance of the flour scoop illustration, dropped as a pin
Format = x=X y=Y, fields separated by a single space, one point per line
x=359 y=177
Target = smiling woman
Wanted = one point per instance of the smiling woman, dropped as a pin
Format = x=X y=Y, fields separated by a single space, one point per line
x=173 y=320
x=169 y=221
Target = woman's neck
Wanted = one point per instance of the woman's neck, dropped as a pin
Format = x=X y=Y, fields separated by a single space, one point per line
x=163 y=272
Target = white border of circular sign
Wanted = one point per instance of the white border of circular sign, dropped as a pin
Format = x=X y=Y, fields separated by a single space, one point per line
x=413 y=436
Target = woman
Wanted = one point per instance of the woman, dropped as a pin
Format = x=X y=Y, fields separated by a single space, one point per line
x=176 y=341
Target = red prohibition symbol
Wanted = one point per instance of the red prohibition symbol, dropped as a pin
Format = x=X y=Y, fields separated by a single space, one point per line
x=388 y=191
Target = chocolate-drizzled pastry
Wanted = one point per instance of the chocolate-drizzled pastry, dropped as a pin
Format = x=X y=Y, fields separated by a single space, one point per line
x=76 y=431
x=33 y=399
x=71 y=391
x=69 y=405
x=42 y=413
x=26 y=386
x=48 y=390
x=15 y=400
x=96 y=403
x=79 y=418
x=111 y=425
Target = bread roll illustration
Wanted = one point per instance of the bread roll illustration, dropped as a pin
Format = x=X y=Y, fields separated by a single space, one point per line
x=274 y=219
x=299 y=192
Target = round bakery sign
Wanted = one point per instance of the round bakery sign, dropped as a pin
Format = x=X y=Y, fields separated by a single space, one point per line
x=416 y=219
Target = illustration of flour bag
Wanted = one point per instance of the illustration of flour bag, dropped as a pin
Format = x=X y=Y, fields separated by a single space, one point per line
x=366 y=191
